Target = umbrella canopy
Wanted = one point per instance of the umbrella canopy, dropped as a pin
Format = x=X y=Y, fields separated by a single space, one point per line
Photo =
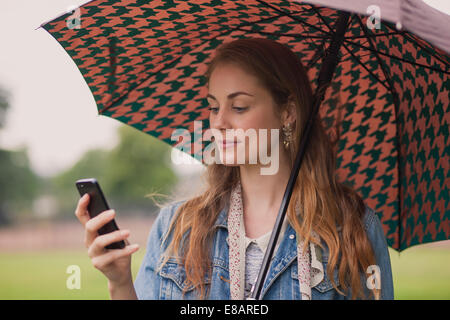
x=388 y=101
x=412 y=15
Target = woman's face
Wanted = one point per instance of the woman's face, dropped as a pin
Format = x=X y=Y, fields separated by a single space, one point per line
x=238 y=101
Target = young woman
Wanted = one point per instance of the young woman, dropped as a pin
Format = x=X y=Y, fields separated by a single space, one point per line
x=332 y=246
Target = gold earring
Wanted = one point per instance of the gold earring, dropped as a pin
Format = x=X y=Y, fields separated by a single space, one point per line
x=287 y=133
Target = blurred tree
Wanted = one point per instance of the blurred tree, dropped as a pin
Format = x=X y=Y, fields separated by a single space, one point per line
x=62 y=186
x=19 y=185
x=138 y=165
x=3 y=106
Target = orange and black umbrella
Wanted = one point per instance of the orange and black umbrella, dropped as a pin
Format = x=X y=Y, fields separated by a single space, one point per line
x=387 y=96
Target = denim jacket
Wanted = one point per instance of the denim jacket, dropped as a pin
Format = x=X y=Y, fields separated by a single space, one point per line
x=167 y=282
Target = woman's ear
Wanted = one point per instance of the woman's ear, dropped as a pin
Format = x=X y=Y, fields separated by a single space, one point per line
x=289 y=114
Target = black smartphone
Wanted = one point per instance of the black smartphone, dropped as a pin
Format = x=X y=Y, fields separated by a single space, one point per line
x=97 y=204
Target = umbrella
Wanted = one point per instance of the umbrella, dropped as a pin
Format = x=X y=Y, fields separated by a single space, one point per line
x=387 y=97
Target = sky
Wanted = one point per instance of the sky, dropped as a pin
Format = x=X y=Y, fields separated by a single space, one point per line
x=52 y=111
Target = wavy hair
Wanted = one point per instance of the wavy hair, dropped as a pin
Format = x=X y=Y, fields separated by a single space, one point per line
x=325 y=204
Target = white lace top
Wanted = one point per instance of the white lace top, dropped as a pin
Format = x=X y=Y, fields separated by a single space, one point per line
x=254 y=254
x=245 y=255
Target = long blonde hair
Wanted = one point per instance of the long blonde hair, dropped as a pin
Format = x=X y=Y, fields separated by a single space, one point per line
x=325 y=203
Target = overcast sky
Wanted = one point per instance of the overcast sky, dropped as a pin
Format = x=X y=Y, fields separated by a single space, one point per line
x=52 y=110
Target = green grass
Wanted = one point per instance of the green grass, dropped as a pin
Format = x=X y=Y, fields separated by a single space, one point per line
x=419 y=273
x=42 y=275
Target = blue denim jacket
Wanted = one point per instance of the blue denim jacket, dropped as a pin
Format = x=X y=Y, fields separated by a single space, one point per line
x=168 y=282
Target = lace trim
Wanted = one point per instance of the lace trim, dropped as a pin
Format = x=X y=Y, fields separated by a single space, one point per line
x=310 y=268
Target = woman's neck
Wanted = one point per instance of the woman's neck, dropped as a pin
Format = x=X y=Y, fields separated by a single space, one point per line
x=262 y=196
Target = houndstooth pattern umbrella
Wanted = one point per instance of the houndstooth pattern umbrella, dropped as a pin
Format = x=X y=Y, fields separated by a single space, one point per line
x=388 y=102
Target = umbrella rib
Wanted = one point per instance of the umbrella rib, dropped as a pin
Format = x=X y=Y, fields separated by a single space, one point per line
x=326 y=23
x=317 y=55
x=385 y=54
x=318 y=52
x=315 y=10
x=332 y=31
x=394 y=96
x=291 y=16
x=396 y=107
x=407 y=35
x=321 y=48
x=305 y=31
x=398 y=58
x=168 y=64
x=295 y=36
x=364 y=66
x=350 y=52
x=323 y=19
x=375 y=35
x=381 y=64
x=285 y=34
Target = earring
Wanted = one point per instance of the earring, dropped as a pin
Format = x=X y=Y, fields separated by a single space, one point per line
x=287 y=133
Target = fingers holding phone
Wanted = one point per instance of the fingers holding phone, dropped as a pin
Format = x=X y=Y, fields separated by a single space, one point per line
x=108 y=247
x=97 y=247
x=94 y=224
x=81 y=211
x=95 y=206
x=115 y=264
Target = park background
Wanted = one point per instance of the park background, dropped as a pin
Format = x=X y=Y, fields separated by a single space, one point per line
x=51 y=135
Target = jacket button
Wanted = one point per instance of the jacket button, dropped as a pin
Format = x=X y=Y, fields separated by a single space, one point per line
x=291 y=236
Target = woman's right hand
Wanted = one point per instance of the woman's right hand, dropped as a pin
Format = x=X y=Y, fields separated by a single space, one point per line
x=115 y=264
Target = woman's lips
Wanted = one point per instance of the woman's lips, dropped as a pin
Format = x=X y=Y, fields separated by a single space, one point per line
x=227 y=144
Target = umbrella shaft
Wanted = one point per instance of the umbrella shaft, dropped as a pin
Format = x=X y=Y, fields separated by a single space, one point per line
x=325 y=76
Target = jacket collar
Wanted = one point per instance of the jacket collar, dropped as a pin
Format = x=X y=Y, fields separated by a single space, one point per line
x=284 y=256
x=222 y=220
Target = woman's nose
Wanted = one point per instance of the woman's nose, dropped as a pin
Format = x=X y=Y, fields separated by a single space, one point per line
x=221 y=120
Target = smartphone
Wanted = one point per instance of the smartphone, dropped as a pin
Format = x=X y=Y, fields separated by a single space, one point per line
x=97 y=204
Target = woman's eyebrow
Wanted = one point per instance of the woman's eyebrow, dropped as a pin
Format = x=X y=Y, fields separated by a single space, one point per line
x=231 y=95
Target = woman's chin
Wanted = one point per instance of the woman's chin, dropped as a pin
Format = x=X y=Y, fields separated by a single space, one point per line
x=229 y=161
x=233 y=161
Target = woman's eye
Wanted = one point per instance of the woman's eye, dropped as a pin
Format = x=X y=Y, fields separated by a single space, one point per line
x=237 y=109
x=240 y=109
